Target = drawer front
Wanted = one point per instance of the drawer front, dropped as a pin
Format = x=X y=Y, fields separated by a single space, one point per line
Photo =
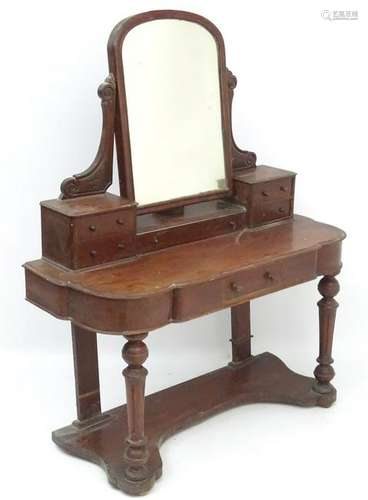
x=193 y=301
x=155 y=240
x=102 y=250
x=104 y=238
x=280 y=189
x=94 y=227
x=270 y=212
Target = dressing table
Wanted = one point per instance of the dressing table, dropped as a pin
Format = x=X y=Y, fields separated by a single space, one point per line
x=197 y=227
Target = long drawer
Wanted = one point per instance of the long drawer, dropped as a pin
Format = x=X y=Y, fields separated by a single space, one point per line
x=198 y=299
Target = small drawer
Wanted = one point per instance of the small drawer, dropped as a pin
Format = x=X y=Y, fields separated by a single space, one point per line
x=94 y=227
x=155 y=240
x=102 y=250
x=280 y=189
x=271 y=211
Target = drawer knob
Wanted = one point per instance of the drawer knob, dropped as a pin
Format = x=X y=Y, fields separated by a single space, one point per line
x=265 y=193
x=155 y=240
x=283 y=188
x=281 y=210
x=93 y=253
x=232 y=224
x=120 y=222
x=236 y=287
x=92 y=227
x=268 y=276
x=121 y=246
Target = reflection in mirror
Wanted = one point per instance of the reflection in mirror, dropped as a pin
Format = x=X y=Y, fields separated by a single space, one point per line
x=174 y=110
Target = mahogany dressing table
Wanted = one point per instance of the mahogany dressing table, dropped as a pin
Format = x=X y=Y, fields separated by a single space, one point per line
x=197 y=228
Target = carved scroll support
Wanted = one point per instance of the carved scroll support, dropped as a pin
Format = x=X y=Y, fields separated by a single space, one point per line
x=98 y=176
x=324 y=373
x=240 y=159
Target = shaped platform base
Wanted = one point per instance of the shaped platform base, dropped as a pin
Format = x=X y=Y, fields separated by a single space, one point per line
x=260 y=379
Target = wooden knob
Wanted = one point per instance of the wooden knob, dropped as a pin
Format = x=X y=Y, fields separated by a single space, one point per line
x=265 y=193
x=120 y=221
x=236 y=287
x=283 y=188
x=281 y=210
x=155 y=239
x=268 y=276
x=93 y=253
x=232 y=224
x=92 y=227
x=121 y=246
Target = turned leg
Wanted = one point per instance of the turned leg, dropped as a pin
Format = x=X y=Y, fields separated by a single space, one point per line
x=87 y=385
x=324 y=373
x=135 y=353
x=240 y=332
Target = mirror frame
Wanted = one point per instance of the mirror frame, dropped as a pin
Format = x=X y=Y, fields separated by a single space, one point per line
x=122 y=137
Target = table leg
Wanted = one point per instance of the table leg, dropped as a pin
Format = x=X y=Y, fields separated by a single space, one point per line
x=135 y=353
x=240 y=332
x=324 y=373
x=87 y=384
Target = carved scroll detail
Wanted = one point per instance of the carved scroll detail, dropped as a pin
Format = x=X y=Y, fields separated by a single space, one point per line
x=240 y=159
x=98 y=176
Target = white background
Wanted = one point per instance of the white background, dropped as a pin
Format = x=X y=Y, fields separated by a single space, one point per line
x=301 y=104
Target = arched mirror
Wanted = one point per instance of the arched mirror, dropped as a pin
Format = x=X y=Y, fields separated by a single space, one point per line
x=172 y=97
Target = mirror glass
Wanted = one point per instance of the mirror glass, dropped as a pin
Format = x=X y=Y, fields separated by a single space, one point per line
x=172 y=88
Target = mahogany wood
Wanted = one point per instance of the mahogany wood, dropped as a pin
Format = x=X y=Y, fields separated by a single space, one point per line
x=260 y=379
x=240 y=332
x=109 y=267
x=87 y=384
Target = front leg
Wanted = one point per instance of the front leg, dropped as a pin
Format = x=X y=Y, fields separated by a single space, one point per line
x=324 y=373
x=136 y=455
